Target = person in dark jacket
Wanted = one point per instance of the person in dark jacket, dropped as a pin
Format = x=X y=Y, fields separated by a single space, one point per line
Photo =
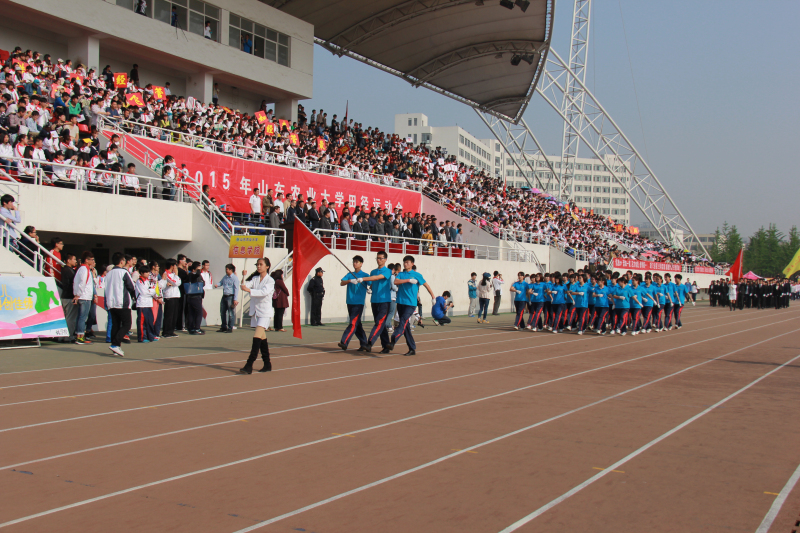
x=183 y=274
x=313 y=215
x=70 y=309
x=317 y=291
x=194 y=302
x=360 y=228
x=280 y=302
x=300 y=212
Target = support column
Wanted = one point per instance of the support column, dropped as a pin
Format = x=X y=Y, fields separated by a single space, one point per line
x=286 y=109
x=84 y=49
x=201 y=86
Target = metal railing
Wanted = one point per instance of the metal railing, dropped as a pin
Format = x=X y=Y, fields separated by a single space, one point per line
x=30 y=251
x=253 y=153
x=348 y=240
x=544 y=239
x=64 y=175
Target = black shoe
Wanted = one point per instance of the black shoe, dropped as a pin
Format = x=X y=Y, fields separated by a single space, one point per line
x=193 y=333
x=385 y=350
x=267 y=367
x=228 y=331
x=200 y=332
x=342 y=346
x=246 y=370
x=391 y=346
x=222 y=330
x=420 y=324
x=367 y=347
x=410 y=352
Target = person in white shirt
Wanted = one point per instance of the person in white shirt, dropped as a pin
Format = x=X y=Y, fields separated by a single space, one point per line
x=207 y=31
x=260 y=286
x=497 y=286
x=172 y=298
x=205 y=273
x=255 y=202
x=146 y=293
x=84 y=289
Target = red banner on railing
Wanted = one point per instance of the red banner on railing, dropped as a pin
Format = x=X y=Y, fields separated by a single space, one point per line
x=636 y=264
x=704 y=270
x=232 y=180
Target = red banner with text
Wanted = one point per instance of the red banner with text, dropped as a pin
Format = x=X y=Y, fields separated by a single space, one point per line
x=704 y=270
x=636 y=264
x=232 y=181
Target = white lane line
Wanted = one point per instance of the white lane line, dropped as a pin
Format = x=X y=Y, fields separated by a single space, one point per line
x=394 y=422
x=772 y=514
x=128 y=361
x=201 y=365
x=192 y=366
x=251 y=417
x=543 y=509
x=492 y=441
x=578 y=339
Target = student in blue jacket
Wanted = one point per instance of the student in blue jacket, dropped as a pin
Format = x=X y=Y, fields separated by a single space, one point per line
x=591 y=301
x=669 y=293
x=579 y=292
x=408 y=282
x=558 y=304
x=681 y=295
x=537 y=296
x=600 y=294
x=622 y=296
x=649 y=300
x=356 y=296
x=662 y=300
x=520 y=291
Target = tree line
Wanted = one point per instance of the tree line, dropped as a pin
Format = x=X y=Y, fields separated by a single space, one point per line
x=767 y=252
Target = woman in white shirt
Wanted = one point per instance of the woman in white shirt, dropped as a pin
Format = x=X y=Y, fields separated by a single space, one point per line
x=732 y=296
x=6 y=152
x=260 y=285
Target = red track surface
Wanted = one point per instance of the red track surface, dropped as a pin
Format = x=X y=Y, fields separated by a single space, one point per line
x=483 y=428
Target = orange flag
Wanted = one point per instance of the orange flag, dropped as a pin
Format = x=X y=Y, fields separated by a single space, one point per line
x=269 y=129
x=120 y=80
x=294 y=139
x=134 y=99
x=322 y=144
x=159 y=93
x=261 y=117
x=283 y=123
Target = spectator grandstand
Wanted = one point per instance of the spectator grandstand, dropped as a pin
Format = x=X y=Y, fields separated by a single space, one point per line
x=52 y=113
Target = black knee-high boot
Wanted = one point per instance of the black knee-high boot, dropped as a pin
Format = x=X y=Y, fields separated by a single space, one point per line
x=248 y=367
x=265 y=356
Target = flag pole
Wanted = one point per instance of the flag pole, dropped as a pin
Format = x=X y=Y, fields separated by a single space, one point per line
x=323 y=244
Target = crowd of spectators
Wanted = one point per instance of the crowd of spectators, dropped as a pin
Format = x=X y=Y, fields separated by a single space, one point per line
x=50 y=108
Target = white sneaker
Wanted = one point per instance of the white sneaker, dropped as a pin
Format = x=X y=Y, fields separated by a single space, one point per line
x=528 y=327
x=623 y=334
x=634 y=332
x=554 y=330
x=612 y=332
x=648 y=330
x=117 y=351
x=580 y=333
x=568 y=328
x=516 y=327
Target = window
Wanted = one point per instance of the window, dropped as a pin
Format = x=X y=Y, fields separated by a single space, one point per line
x=597 y=178
x=426 y=138
x=461 y=152
x=252 y=38
x=597 y=189
x=415 y=138
x=606 y=179
x=587 y=199
x=606 y=189
x=605 y=200
x=605 y=211
x=415 y=122
x=409 y=122
x=577 y=188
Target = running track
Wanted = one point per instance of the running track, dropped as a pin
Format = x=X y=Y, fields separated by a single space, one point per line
x=485 y=430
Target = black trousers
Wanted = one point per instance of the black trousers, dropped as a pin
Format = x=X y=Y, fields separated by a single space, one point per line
x=180 y=312
x=316 y=309
x=279 y=317
x=194 y=312
x=171 y=308
x=120 y=325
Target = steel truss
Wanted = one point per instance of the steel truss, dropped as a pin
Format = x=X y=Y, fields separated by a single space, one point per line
x=579 y=51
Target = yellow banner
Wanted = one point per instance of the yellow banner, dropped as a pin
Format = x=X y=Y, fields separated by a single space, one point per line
x=247 y=246
x=793 y=266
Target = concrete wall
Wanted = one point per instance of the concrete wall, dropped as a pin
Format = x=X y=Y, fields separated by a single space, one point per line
x=94 y=213
x=10 y=263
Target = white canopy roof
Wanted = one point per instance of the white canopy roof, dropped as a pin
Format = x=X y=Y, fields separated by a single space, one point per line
x=460 y=48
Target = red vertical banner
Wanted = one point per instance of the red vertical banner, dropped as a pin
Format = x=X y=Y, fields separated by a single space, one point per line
x=286 y=123
x=269 y=129
x=261 y=117
x=294 y=139
x=735 y=272
x=322 y=144
x=159 y=93
x=307 y=251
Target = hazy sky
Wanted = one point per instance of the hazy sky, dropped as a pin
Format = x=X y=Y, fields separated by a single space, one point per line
x=717 y=84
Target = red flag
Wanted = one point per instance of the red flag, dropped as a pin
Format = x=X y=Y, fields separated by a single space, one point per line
x=269 y=128
x=735 y=272
x=134 y=99
x=159 y=93
x=322 y=144
x=294 y=139
x=346 y=109
x=261 y=117
x=120 y=80
x=307 y=251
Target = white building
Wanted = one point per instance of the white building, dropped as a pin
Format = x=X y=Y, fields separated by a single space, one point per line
x=255 y=52
x=593 y=187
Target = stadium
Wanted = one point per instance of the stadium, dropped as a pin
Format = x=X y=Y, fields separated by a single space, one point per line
x=170 y=206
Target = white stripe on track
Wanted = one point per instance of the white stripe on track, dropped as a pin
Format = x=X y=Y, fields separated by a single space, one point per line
x=394 y=422
x=772 y=514
x=577 y=339
x=543 y=509
x=202 y=365
x=214 y=424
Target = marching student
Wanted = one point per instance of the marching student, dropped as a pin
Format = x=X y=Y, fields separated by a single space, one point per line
x=520 y=291
x=600 y=293
x=659 y=292
x=408 y=282
x=732 y=297
x=649 y=300
x=569 y=315
x=591 y=302
x=622 y=295
x=171 y=283
x=379 y=281
x=637 y=292
x=536 y=301
x=558 y=304
x=145 y=294
x=547 y=304
x=669 y=302
x=356 y=296
x=260 y=285
x=681 y=295
x=580 y=295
